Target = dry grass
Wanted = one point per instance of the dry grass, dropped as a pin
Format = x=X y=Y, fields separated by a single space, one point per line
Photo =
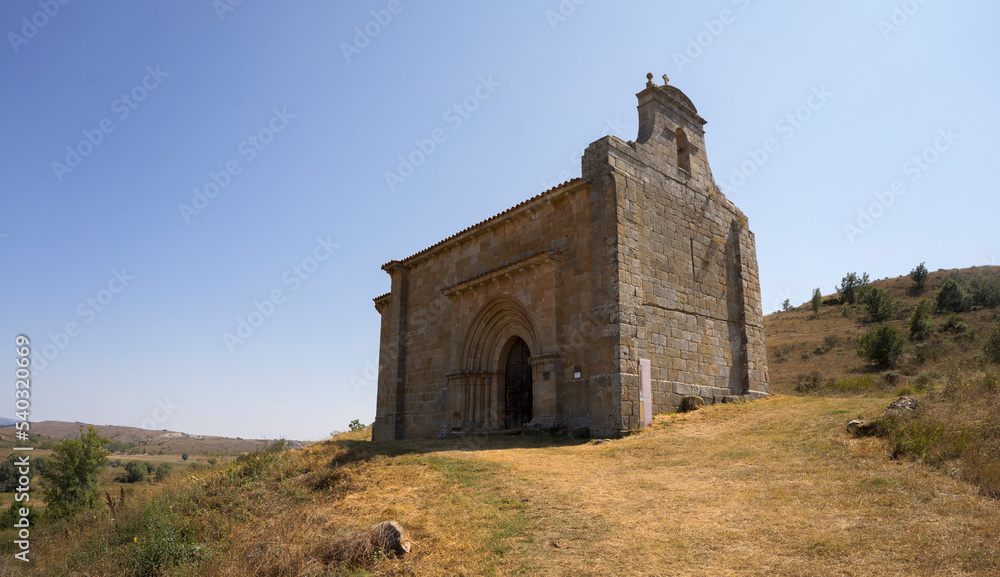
x=774 y=487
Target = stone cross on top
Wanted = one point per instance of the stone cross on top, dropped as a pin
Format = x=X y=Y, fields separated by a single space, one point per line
x=651 y=84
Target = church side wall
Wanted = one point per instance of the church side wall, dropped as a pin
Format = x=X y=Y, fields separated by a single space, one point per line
x=555 y=291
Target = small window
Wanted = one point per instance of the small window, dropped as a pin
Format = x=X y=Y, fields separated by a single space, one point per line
x=683 y=152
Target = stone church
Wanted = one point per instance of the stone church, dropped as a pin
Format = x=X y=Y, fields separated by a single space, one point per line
x=586 y=308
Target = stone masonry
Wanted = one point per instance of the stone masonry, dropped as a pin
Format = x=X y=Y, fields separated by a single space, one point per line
x=536 y=318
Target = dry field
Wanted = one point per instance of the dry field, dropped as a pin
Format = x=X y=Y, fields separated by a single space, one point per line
x=774 y=487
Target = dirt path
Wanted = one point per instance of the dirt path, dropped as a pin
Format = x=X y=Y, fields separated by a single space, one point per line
x=773 y=487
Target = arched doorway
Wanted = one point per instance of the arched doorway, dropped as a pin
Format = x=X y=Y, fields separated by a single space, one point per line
x=517 y=384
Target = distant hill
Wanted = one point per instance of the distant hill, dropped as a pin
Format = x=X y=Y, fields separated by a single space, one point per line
x=138 y=440
x=802 y=347
x=5 y=422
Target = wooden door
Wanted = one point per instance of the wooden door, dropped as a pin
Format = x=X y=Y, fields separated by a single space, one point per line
x=517 y=383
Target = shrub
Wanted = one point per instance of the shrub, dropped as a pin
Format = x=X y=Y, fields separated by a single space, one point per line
x=787 y=305
x=184 y=457
x=919 y=276
x=954 y=323
x=356 y=425
x=921 y=323
x=882 y=345
x=991 y=348
x=808 y=383
x=954 y=295
x=830 y=341
x=878 y=304
x=164 y=471
x=851 y=287
x=922 y=382
x=12 y=514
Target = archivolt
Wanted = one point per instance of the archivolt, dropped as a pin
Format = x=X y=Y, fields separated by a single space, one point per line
x=500 y=319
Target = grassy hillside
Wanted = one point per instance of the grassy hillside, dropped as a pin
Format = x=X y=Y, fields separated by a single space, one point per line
x=956 y=426
x=804 y=348
x=138 y=441
x=764 y=488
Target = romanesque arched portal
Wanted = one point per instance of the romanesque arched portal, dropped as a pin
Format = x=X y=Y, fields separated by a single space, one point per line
x=493 y=388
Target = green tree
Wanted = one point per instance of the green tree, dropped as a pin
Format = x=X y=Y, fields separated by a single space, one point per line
x=163 y=471
x=985 y=291
x=954 y=294
x=882 y=344
x=919 y=276
x=787 y=305
x=41 y=465
x=817 y=302
x=71 y=483
x=135 y=472
x=921 y=323
x=184 y=457
x=8 y=474
x=878 y=304
x=851 y=287
x=356 y=425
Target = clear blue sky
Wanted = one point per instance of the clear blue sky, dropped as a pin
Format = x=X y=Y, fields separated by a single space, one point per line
x=299 y=115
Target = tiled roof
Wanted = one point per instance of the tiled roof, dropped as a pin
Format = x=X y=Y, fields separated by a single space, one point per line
x=566 y=184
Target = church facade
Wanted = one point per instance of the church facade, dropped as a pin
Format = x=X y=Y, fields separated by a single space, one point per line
x=538 y=317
